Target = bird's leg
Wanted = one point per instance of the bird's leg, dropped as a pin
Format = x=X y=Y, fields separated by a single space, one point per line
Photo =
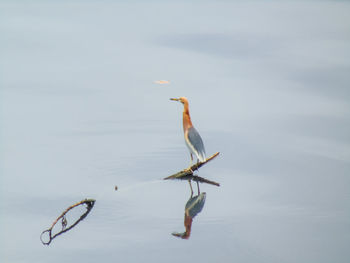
x=198 y=190
x=189 y=181
x=189 y=168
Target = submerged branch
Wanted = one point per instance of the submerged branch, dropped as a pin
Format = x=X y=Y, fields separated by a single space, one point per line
x=89 y=205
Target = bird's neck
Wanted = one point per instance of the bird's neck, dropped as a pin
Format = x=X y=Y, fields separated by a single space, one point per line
x=187 y=123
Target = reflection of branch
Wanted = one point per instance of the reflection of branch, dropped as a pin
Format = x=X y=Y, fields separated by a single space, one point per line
x=187 y=174
x=89 y=205
x=197 y=178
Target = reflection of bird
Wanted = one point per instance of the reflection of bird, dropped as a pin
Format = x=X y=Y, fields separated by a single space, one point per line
x=193 y=207
x=192 y=138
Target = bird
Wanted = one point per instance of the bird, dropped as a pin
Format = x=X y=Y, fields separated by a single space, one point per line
x=193 y=140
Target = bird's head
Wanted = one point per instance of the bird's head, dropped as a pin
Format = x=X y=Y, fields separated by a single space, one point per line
x=183 y=100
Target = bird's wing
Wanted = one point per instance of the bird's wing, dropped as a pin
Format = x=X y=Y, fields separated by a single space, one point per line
x=196 y=142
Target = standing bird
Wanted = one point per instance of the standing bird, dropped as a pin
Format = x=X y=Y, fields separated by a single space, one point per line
x=192 y=138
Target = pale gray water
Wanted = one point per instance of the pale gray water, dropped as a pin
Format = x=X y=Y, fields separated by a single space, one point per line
x=268 y=85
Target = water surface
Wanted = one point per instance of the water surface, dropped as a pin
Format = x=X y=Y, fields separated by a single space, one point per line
x=267 y=83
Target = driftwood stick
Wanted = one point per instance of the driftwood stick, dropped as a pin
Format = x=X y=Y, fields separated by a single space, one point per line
x=89 y=205
x=88 y=202
x=187 y=174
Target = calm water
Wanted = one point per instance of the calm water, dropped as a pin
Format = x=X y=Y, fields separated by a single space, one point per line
x=268 y=85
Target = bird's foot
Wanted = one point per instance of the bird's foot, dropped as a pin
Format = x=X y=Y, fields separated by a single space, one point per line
x=189 y=169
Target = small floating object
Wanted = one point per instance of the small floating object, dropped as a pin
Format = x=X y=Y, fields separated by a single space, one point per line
x=161 y=82
x=116 y=188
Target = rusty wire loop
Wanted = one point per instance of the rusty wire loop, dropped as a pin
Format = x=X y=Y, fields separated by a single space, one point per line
x=89 y=205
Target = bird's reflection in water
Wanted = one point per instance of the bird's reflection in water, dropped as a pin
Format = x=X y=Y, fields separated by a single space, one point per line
x=193 y=207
